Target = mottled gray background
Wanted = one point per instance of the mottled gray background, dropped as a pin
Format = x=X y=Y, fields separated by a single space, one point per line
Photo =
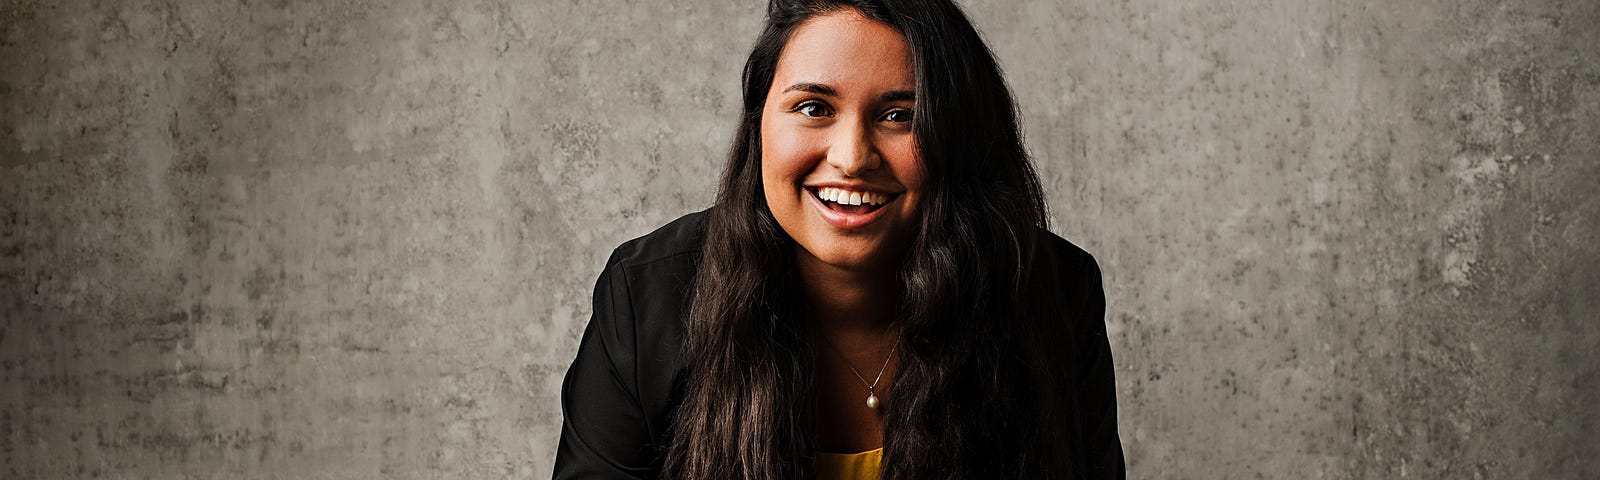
x=356 y=239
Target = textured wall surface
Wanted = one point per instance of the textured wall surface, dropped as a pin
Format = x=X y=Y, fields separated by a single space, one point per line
x=356 y=239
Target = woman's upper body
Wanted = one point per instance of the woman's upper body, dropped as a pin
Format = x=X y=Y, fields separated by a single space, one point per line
x=622 y=389
x=877 y=208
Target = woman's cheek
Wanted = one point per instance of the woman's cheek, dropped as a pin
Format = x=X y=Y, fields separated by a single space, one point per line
x=784 y=155
x=904 y=162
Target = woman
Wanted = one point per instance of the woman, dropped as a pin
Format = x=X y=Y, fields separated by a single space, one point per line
x=873 y=295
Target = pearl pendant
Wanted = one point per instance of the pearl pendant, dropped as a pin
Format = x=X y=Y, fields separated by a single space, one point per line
x=872 y=400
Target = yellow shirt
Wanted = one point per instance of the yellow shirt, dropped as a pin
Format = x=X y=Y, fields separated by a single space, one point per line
x=848 y=466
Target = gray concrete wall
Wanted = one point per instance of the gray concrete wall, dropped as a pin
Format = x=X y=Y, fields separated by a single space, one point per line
x=356 y=239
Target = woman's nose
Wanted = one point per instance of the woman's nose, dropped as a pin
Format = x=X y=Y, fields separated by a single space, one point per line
x=852 y=150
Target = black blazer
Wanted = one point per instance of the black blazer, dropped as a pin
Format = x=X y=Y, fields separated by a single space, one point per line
x=619 y=393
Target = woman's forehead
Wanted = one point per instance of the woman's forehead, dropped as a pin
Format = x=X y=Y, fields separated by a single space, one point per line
x=847 y=51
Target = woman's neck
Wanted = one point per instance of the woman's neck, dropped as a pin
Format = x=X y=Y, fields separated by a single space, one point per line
x=843 y=299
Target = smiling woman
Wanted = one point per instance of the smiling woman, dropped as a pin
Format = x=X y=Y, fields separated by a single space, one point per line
x=874 y=293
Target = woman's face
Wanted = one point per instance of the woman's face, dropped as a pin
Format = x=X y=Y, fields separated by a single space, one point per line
x=838 y=160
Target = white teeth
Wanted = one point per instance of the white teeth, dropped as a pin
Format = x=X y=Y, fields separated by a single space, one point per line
x=846 y=197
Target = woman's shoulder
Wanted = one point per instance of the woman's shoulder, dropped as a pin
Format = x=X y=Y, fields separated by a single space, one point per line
x=1067 y=279
x=1067 y=258
x=655 y=272
x=679 y=238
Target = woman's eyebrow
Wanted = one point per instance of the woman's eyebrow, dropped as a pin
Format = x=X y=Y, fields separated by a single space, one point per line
x=898 y=96
x=816 y=88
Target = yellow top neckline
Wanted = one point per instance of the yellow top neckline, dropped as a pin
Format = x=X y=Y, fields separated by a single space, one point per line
x=879 y=450
x=849 y=466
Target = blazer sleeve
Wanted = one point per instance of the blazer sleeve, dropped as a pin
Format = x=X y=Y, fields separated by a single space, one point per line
x=1097 y=392
x=603 y=430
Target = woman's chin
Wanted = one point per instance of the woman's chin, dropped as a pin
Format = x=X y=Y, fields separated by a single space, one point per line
x=847 y=258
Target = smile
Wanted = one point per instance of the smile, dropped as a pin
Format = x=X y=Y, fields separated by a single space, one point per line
x=849 y=209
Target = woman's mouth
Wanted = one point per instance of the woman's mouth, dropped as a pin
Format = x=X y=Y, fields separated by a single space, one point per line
x=849 y=208
x=841 y=200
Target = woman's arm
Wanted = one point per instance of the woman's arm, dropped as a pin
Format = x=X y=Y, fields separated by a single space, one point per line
x=603 y=431
x=1097 y=395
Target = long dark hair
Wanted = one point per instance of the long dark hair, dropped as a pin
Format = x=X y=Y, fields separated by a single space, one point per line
x=977 y=391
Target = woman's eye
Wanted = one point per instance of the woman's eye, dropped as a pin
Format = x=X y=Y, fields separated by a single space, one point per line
x=813 y=109
x=898 y=116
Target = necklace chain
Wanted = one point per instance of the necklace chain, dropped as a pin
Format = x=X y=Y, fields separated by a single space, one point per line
x=871 y=387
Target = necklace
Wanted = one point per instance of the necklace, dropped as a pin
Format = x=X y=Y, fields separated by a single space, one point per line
x=872 y=388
